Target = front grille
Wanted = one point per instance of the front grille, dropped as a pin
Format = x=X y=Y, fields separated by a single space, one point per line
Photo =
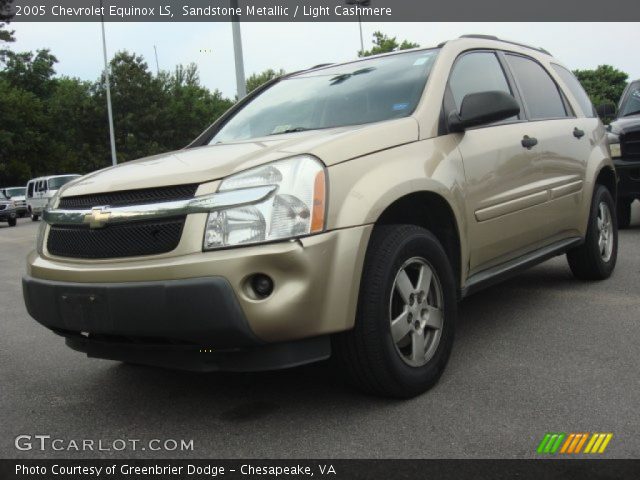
x=630 y=144
x=133 y=239
x=115 y=241
x=2 y=207
x=129 y=197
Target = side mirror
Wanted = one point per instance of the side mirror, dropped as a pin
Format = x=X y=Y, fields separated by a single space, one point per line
x=606 y=111
x=483 y=108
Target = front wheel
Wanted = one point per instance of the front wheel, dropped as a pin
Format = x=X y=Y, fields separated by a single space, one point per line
x=406 y=314
x=13 y=222
x=34 y=217
x=596 y=258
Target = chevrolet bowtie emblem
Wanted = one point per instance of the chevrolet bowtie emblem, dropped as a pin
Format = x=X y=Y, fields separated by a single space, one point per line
x=98 y=217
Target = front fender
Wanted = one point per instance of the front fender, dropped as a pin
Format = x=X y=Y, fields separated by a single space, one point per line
x=362 y=188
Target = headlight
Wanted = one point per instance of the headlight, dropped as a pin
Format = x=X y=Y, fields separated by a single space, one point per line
x=614 y=145
x=296 y=209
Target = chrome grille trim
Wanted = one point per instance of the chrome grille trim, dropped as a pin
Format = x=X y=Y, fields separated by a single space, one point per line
x=101 y=216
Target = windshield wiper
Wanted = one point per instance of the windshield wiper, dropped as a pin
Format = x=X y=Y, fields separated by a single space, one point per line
x=291 y=130
x=631 y=113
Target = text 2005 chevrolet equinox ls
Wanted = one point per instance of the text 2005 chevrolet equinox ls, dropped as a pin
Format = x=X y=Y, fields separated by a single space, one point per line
x=342 y=209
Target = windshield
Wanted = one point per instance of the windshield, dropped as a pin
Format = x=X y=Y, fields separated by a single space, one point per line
x=57 y=182
x=631 y=101
x=357 y=93
x=15 y=192
x=2 y=197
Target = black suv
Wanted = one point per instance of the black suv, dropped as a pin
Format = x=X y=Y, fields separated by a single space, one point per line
x=624 y=140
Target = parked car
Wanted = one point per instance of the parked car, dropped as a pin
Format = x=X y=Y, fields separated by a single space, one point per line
x=343 y=209
x=18 y=195
x=7 y=210
x=41 y=190
x=624 y=140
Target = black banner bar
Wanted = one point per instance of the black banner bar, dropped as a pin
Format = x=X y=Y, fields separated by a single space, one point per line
x=324 y=10
x=325 y=469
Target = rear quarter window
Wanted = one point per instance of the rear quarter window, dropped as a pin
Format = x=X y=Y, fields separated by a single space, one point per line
x=576 y=90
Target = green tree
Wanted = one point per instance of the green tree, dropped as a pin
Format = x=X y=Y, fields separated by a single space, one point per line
x=383 y=44
x=605 y=84
x=51 y=124
x=30 y=72
x=258 y=79
x=195 y=106
x=5 y=18
x=137 y=98
x=21 y=132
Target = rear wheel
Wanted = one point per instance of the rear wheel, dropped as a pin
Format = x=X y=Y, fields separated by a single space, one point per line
x=406 y=314
x=596 y=258
x=34 y=217
x=623 y=210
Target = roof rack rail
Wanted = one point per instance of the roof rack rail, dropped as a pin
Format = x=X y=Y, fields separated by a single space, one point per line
x=320 y=65
x=493 y=37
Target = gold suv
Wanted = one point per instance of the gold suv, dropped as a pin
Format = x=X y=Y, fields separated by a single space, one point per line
x=342 y=209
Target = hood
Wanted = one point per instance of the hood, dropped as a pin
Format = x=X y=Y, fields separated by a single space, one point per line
x=213 y=162
x=625 y=124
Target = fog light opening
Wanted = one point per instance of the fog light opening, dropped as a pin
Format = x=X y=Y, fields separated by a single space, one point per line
x=261 y=285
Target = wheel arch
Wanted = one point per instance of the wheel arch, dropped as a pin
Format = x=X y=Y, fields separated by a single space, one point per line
x=433 y=212
x=607 y=177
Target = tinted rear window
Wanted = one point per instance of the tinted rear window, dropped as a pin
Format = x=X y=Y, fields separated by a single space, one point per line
x=539 y=91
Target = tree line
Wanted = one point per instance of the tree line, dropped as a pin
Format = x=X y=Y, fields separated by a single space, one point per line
x=52 y=124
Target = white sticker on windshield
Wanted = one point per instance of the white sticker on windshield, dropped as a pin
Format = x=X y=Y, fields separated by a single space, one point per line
x=421 y=61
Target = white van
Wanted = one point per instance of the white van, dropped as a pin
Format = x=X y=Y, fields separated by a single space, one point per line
x=40 y=190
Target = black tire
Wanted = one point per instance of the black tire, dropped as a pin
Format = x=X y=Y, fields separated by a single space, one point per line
x=586 y=261
x=35 y=218
x=623 y=211
x=13 y=222
x=368 y=352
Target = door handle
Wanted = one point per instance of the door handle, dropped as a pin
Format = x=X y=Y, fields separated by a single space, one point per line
x=578 y=133
x=529 y=142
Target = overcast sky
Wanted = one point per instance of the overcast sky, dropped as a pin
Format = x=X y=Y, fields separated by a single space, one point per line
x=294 y=46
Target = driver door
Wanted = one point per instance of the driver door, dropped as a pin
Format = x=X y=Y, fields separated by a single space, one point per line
x=502 y=175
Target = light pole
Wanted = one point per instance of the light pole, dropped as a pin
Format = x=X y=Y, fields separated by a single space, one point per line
x=237 y=53
x=112 y=136
x=360 y=3
x=155 y=49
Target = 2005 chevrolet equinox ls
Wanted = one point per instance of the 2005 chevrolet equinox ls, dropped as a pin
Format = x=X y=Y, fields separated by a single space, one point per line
x=343 y=209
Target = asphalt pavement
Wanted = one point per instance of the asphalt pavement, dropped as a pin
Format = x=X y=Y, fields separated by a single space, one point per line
x=540 y=353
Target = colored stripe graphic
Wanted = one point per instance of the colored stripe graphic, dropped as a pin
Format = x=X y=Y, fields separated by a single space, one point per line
x=598 y=443
x=573 y=443
x=551 y=442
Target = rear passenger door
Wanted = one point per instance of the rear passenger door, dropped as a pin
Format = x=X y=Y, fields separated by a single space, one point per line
x=562 y=148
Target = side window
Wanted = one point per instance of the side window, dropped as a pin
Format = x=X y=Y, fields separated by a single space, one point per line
x=576 y=89
x=477 y=72
x=540 y=93
x=30 y=190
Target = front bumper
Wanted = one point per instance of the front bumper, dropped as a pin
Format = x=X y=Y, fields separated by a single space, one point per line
x=629 y=175
x=201 y=311
x=5 y=215
x=202 y=299
x=184 y=324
